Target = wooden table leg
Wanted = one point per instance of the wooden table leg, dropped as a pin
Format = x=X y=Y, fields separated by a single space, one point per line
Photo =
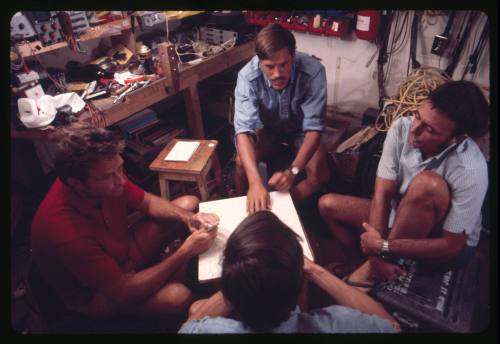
x=218 y=173
x=193 y=112
x=164 y=189
x=202 y=186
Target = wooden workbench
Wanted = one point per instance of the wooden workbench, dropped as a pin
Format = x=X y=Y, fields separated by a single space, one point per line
x=188 y=79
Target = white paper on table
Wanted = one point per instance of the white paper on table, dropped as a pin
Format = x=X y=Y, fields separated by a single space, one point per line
x=182 y=151
x=231 y=212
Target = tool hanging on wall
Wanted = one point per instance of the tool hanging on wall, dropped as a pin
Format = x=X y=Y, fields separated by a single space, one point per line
x=413 y=42
x=385 y=29
x=461 y=43
x=441 y=41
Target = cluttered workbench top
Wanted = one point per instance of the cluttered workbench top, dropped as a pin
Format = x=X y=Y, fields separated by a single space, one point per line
x=118 y=67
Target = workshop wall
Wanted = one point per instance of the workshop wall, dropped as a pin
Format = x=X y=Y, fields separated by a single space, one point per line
x=352 y=82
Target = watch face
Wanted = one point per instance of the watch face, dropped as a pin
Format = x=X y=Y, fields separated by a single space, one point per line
x=295 y=170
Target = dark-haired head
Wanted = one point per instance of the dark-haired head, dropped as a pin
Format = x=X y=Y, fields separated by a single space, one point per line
x=273 y=38
x=81 y=146
x=463 y=103
x=262 y=271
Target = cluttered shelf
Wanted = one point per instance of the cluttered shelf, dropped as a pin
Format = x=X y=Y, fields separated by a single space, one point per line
x=113 y=28
x=162 y=88
x=157 y=89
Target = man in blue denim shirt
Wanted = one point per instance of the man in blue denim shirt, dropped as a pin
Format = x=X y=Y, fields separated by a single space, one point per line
x=262 y=276
x=280 y=97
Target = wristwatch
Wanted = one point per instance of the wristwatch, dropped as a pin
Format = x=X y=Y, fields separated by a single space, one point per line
x=295 y=170
x=385 y=251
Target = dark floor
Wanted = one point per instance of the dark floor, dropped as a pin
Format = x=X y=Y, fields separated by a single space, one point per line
x=28 y=303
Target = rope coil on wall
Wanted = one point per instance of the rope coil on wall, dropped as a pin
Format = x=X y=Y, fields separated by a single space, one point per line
x=412 y=92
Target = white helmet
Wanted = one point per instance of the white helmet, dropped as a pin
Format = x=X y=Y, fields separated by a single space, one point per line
x=36 y=114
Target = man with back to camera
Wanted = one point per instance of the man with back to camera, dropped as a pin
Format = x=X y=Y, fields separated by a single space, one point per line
x=262 y=275
x=431 y=182
x=280 y=97
x=82 y=244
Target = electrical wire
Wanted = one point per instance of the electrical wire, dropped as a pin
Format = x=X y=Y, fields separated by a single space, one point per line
x=458 y=50
x=58 y=85
x=412 y=92
x=208 y=51
x=474 y=57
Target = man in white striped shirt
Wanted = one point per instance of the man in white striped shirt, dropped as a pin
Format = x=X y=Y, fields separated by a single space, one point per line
x=430 y=186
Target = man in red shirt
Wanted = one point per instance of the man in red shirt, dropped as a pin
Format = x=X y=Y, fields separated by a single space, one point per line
x=86 y=251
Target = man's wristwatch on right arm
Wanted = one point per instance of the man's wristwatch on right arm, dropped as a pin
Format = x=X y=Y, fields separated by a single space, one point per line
x=385 y=250
x=294 y=170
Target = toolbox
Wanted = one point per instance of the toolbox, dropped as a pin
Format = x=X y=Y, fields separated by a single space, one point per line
x=438 y=302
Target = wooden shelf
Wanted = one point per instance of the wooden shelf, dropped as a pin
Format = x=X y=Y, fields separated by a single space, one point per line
x=114 y=28
x=189 y=76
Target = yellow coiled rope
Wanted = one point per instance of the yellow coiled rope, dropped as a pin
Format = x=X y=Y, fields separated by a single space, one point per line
x=412 y=92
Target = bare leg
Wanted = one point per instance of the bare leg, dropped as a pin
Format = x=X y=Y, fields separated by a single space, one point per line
x=317 y=175
x=420 y=214
x=344 y=216
x=423 y=209
x=170 y=303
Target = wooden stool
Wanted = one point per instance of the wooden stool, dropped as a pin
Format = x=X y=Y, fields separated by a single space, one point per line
x=194 y=170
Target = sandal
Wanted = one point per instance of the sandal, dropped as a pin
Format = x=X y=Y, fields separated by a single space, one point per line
x=364 y=285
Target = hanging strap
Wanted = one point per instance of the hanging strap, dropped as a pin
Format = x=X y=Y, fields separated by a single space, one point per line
x=413 y=43
x=478 y=51
x=458 y=50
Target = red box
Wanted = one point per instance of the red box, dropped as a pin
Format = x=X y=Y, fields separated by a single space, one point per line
x=320 y=30
x=288 y=22
x=301 y=23
x=276 y=17
x=338 y=27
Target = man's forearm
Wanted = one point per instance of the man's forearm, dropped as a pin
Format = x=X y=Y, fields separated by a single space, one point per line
x=136 y=286
x=381 y=205
x=214 y=306
x=162 y=209
x=430 y=249
x=307 y=149
x=246 y=152
x=379 y=215
x=348 y=296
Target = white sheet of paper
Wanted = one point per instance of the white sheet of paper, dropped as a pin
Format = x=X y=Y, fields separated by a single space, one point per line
x=231 y=212
x=182 y=151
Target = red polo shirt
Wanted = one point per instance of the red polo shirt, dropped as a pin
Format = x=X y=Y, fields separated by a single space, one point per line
x=78 y=247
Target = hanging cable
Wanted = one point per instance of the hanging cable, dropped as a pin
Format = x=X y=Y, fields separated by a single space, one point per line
x=478 y=51
x=382 y=56
x=458 y=50
x=413 y=43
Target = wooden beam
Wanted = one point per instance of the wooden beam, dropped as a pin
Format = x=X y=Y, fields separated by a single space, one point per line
x=193 y=111
x=170 y=65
